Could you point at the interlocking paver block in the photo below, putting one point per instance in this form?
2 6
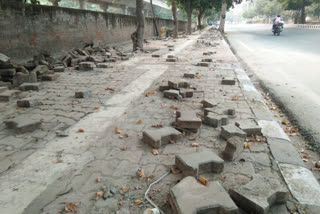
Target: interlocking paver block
172 94
191 197
29 87
215 120
49 77
164 87
187 120
87 66
228 81
233 148
26 103
207 60
249 126
24 123
156 55
171 59
176 85
203 64
104 65
189 75
186 93
220 111
194 164
162 136
259 194
82 94
59 69
8 95
231 131
209 103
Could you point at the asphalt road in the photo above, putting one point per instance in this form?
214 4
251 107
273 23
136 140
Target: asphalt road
288 65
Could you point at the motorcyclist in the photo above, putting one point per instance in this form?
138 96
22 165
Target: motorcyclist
277 21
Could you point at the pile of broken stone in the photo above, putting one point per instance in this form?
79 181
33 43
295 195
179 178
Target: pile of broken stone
191 194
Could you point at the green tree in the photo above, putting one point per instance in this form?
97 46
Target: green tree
298 5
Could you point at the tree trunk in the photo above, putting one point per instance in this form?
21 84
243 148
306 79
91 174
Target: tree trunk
199 20
175 20
137 36
154 19
303 14
223 16
189 13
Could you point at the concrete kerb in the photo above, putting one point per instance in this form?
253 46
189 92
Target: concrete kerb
294 172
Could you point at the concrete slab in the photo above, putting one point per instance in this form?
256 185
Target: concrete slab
272 129
194 164
284 152
302 184
191 197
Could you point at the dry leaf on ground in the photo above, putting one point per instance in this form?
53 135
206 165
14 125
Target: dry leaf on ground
98 179
117 130
96 108
195 144
138 201
125 148
140 173
285 122
175 171
247 145
157 126
155 152
203 180
235 98
125 189
193 138
98 195
172 142
80 130
70 207
139 121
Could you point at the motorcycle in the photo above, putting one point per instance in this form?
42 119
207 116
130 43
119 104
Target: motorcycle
277 28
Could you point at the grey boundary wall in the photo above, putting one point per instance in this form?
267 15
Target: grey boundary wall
27 30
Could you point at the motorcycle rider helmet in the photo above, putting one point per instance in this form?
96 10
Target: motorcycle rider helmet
279 16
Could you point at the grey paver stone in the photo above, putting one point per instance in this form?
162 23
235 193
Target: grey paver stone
24 123
284 152
188 120
259 195
59 69
162 136
8 72
156 55
207 60
171 59
191 197
228 81
172 94
186 93
8 95
49 77
104 65
86 66
30 87
249 126
189 75
194 164
233 148
82 94
203 64
2 89
164 87
207 103
231 131
215 120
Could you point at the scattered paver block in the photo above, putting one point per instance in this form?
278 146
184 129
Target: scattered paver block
156 55
203 64
189 75
59 69
104 65
231 131
228 81
188 120
125 58
173 84
3 89
82 94
220 111
215 120
10 72
164 87
87 66
183 84
209 103
172 94
170 46
186 93
49 77
249 126
259 195
233 148
110 60
171 59
302 184
26 103
177 85
24 123
162 136
207 60
171 49
197 163
7 95
191 197
284 152
29 87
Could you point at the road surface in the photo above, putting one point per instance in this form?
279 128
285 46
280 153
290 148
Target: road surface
288 65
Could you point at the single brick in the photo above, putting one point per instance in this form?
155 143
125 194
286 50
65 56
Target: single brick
191 197
207 103
59 69
187 120
189 75
108 60
164 87
49 77
233 148
156 55
228 81
24 103
260 194
104 65
172 94
203 64
29 87
162 136
82 94
249 126
7 95
87 66
186 93
215 120
171 59
231 131
24 123
197 163
207 60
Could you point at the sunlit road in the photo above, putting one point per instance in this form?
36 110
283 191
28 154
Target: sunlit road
288 64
